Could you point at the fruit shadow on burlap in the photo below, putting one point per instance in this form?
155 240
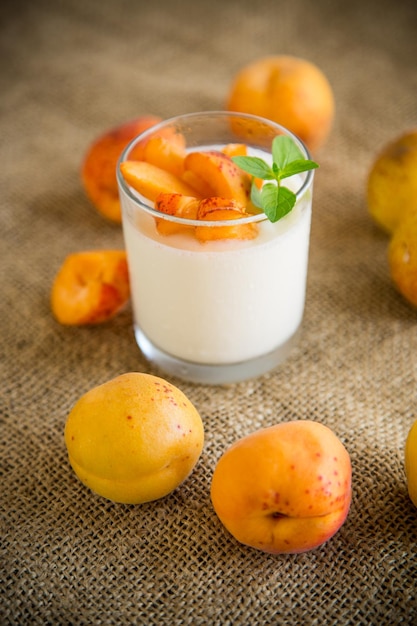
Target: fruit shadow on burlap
72 71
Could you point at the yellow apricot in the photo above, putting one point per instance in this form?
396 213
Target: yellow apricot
402 257
392 181
411 462
134 438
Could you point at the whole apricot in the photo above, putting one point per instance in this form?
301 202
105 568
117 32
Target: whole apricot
392 181
288 90
134 439
98 171
411 462
285 488
402 257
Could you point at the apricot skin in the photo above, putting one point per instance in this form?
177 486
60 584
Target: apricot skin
219 209
133 439
411 462
151 180
90 287
178 205
98 170
392 181
219 172
288 90
402 257
285 488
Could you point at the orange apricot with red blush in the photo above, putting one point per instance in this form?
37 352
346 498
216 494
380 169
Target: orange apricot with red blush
98 170
283 489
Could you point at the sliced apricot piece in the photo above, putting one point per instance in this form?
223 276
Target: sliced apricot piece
166 153
169 133
201 186
178 205
207 206
90 287
235 149
217 209
218 170
150 180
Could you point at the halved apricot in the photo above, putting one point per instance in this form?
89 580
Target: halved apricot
90 287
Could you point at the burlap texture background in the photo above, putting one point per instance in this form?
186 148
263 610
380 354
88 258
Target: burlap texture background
70 70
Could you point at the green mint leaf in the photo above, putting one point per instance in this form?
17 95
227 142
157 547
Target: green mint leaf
285 150
255 166
256 196
296 167
287 160
277 201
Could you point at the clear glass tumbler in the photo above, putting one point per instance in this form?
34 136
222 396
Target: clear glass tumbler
223 310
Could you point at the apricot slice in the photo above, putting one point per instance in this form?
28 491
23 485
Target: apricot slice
201 186
235 149
98 170
178 205
166 153
217 209
218 170
169 134
90 287
150 180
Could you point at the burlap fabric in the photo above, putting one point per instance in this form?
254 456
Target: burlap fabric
70 70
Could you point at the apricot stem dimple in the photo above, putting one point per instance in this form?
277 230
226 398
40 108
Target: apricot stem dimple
278 515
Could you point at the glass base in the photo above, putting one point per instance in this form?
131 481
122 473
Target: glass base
221 374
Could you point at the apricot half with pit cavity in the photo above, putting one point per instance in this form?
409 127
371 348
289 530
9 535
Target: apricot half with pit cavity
90 287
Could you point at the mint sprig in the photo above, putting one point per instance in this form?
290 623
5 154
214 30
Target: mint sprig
273 198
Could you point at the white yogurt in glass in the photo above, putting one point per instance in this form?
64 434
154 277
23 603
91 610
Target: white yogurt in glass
222 310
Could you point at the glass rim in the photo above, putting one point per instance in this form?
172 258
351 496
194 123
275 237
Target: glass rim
141 201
